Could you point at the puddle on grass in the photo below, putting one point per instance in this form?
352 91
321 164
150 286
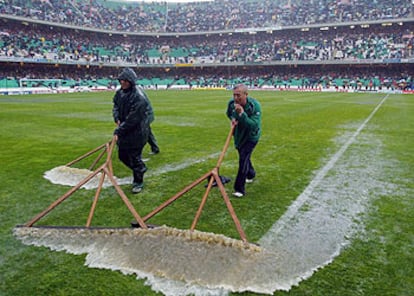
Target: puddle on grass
312 232
71 176
310 235
319 224
329 213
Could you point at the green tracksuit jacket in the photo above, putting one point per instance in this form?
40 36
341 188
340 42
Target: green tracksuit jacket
249 123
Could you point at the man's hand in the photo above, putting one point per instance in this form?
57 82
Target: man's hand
239 109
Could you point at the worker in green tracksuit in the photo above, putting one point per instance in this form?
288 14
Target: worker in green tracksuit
130 113
245 112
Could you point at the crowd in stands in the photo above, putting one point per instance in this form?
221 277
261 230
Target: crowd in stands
96 56
205 16
343 77
65 45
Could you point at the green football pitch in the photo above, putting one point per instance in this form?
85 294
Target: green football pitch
317 151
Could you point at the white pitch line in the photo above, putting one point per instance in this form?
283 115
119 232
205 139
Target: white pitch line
303 197
169 168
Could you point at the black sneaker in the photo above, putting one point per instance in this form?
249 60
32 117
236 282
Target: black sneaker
223 180
137 187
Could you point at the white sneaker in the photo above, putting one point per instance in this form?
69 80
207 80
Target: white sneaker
249 180
238 194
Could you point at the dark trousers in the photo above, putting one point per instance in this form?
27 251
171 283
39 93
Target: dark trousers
246 169
132 159
153 142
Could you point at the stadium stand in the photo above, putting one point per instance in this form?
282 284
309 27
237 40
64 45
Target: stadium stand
344 45
204 16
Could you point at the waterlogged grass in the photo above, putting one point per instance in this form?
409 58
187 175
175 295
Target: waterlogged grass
41 132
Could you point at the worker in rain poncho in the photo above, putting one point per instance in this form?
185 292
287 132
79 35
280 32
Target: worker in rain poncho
131 114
